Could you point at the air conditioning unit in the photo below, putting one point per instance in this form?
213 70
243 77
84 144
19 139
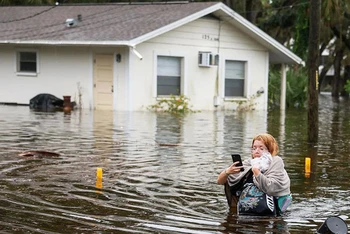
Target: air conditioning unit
204 59
207 59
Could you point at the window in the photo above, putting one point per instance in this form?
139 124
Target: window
27 62
168 75
234 78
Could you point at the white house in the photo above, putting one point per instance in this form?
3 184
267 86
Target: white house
128 56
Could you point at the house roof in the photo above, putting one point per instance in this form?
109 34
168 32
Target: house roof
120 24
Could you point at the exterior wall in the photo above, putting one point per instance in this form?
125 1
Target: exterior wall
235 46
122 81
201 84
60 71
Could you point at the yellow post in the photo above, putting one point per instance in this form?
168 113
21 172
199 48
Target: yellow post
307 167
99 178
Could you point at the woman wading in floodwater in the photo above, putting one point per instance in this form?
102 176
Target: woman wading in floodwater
263 174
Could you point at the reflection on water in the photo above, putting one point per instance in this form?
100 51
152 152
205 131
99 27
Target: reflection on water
159 171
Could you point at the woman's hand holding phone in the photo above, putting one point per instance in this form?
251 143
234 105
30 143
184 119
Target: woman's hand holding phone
234 169
237 161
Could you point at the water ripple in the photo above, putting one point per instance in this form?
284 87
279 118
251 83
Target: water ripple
159 171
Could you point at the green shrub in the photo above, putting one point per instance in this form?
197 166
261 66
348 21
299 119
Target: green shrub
296 88
173 104
347 86
248 104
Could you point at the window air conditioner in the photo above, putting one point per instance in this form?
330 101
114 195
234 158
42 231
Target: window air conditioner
207 59
204 59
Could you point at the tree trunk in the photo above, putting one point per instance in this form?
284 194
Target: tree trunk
341 36
323 75
312 62
337 68
229 3
326 63
249 11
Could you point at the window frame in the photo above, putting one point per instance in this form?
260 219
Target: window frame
245 69
183 67
18 61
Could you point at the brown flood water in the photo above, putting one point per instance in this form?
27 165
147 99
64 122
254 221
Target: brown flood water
168 187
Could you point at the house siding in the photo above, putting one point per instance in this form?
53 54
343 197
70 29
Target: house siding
200 83
61 70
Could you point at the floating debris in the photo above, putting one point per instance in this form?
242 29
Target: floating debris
38 153
166 144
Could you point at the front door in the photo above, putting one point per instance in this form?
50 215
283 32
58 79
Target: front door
103 81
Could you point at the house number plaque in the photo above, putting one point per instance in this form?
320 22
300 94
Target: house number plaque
209 38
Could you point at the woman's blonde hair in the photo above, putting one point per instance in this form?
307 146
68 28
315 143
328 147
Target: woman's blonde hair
269 141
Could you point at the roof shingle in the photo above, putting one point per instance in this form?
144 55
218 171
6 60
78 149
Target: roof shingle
107 22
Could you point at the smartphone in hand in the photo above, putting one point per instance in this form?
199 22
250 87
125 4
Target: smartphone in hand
237 157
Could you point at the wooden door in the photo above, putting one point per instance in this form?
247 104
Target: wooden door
103 81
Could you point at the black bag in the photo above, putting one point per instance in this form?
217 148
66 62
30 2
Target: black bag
254 202
233 192
238 188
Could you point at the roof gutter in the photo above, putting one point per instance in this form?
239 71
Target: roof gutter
75 43
68 43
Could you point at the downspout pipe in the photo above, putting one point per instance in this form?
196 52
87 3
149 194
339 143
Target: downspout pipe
136 52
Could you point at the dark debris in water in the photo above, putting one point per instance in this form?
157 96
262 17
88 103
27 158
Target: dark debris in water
166 144
39 154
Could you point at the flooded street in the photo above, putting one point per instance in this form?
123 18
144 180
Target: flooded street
160 171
